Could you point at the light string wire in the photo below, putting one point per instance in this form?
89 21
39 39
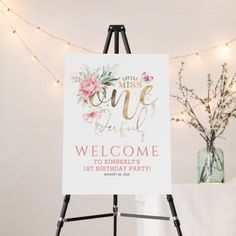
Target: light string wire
38 28
197 53
34 57
43 65
69 43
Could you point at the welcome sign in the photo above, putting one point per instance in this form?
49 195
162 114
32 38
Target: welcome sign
116 124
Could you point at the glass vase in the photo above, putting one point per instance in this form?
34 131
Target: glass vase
211 165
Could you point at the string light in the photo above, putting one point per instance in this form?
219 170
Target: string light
21 17
226 48
34 58
197 56
13 33
56 83
182 115
67 45
37 29
8 11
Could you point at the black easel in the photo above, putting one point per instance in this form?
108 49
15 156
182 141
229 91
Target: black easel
117 30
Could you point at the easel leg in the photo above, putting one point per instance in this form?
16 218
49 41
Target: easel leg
116 42
115 211
60 222
174 214
125 40
108 40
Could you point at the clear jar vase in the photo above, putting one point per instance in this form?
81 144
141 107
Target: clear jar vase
211 165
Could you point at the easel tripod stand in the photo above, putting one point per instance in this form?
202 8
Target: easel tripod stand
117 30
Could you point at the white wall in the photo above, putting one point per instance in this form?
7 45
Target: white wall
31 108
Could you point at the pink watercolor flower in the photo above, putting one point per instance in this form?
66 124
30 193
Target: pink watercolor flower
88 87
146 77
89 117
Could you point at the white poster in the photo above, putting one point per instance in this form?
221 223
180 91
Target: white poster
116 124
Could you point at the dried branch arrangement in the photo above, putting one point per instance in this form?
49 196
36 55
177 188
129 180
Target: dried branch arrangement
219 105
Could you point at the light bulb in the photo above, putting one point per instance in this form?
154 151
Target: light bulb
67 45
56 83
13 33
8 11
197 56
225 51
226 47
37 29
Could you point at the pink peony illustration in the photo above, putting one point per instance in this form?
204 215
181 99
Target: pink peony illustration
88 87
146 78
89 117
